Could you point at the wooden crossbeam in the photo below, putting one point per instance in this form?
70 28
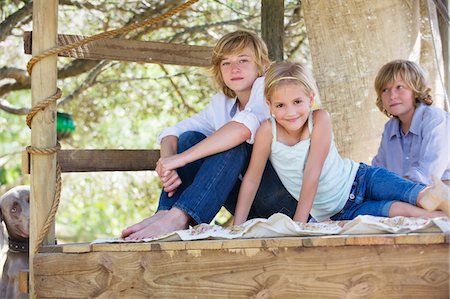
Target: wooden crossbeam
101 160
131 50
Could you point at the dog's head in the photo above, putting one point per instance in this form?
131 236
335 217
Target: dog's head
15 212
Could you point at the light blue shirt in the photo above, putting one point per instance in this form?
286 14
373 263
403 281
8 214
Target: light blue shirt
420 153
335 181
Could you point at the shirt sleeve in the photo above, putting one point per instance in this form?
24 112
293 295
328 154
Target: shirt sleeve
380 159
256 110
201 122
432 152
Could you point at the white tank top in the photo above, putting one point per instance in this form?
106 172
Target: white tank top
335 181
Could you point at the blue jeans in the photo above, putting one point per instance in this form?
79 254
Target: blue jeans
213 182
374 191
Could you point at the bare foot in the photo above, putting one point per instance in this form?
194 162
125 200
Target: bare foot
138 226
437 197
173 220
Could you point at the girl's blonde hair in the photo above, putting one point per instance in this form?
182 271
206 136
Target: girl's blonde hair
409 72
285 72
233 43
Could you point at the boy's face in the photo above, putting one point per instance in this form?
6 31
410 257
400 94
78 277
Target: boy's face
398 99
239 72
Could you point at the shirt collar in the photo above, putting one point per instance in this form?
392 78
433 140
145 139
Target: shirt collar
417 118
395 129
235 108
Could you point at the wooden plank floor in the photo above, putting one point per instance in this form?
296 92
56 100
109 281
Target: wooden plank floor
375 266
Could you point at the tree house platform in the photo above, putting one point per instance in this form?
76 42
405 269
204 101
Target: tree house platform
370 266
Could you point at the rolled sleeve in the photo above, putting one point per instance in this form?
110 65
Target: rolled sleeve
256 111
250 120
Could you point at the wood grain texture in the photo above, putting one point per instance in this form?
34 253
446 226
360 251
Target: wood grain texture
43 125
132 50
107 160
101 160
380 271
272 27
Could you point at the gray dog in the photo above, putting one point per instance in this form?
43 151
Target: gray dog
15 213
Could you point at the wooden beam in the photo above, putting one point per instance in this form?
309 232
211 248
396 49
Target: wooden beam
272 27
267 268
43 126
131 50
102 160
107 160
443 7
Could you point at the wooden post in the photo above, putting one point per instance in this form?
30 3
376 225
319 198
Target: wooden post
43 129
445 38
272 27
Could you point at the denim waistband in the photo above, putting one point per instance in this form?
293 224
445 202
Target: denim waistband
357 191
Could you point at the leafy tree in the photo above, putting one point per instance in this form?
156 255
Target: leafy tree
117 104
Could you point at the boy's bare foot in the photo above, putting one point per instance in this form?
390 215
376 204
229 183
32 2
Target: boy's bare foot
437 197
173 220
138 226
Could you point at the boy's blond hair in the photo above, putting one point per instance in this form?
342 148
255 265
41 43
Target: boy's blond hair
235 42
409 72
284 72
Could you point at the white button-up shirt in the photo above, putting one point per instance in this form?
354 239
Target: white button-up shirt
222 110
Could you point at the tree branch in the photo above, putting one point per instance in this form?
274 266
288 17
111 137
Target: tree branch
14 19
90 81
5 106
23 80
177 90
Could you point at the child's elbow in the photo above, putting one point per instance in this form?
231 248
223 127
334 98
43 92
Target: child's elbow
244 133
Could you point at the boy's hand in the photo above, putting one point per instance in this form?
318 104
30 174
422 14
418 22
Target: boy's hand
171 181
169 163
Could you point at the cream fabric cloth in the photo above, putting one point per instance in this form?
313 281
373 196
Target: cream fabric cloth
280 225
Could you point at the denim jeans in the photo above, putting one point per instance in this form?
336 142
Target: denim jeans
374 191
212 182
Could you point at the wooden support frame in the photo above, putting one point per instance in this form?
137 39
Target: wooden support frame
131 50
101 160
272 27
375 266
43 128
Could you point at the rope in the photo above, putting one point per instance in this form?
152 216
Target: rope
52 213
52 100
42 105
46 151
106 34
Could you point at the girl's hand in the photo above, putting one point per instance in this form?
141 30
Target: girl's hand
300 220
238 221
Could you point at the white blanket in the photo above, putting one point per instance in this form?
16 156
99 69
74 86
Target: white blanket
280 225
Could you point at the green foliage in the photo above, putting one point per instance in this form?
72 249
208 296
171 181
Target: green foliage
126 105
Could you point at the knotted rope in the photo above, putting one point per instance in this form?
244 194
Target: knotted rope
42 105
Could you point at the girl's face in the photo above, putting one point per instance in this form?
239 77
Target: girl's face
290 105
239 72
398 99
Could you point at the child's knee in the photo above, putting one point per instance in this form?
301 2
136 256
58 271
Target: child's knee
189 139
